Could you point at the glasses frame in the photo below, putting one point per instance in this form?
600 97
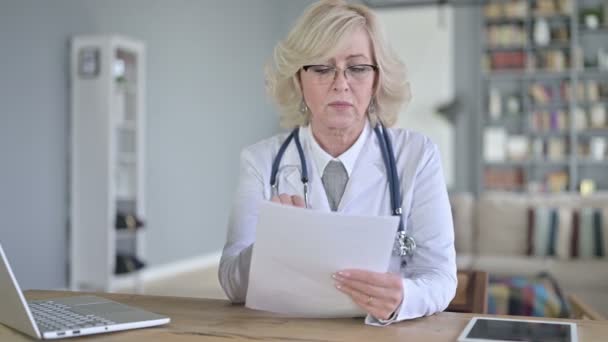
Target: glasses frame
336 69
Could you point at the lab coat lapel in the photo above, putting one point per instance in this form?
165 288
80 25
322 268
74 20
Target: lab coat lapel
289 170
317 197
293 179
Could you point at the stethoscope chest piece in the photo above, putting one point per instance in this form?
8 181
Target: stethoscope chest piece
404 245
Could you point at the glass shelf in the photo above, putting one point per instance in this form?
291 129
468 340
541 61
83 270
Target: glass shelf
600 30
505 21
592 162
519 74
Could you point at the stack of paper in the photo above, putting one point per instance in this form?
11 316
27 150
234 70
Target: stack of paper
297 250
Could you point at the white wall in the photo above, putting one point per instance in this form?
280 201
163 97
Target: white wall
206 101
423 38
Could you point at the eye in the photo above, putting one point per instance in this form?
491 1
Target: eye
359 69
321 69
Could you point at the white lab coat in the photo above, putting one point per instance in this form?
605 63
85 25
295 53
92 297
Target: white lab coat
429 278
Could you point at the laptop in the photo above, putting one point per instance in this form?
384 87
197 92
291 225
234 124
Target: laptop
66 317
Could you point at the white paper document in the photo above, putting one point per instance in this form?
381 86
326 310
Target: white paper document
297 250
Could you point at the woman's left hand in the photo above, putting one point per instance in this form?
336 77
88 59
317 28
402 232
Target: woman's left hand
379 294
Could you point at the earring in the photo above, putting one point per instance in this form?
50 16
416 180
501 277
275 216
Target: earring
303 107
371 109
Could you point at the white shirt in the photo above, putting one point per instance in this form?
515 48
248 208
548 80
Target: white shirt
348 158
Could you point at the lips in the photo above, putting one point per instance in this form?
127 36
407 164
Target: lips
340 104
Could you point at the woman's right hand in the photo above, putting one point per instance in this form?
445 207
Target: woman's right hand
293 200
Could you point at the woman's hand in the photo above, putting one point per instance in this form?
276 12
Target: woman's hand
295 200
379 294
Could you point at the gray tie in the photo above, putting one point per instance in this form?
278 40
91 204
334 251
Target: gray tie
334 181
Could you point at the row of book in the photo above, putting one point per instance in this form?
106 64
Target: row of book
514 180
515 35
589 90
594 117
552 60
519 9
499 146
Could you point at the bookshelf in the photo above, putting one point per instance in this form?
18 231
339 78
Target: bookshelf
107 188
544 95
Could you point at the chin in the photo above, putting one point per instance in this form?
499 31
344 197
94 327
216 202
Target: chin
343 120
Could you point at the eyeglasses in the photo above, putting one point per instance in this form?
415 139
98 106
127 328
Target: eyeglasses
325 74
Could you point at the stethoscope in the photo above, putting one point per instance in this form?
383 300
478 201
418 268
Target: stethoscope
404 245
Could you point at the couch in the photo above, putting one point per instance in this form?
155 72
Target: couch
491 234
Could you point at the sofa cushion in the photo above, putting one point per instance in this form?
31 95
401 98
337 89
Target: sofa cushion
511 265
464 261
502 218
463 212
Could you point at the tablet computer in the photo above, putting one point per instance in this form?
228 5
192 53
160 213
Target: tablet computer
486 329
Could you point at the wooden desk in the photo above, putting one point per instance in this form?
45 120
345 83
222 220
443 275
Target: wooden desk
196 319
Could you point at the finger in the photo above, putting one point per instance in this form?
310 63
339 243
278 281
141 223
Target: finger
298 201
285 199
384 279
371 305
370 290
275 199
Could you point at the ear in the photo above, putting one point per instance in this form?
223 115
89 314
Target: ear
297 82
376 84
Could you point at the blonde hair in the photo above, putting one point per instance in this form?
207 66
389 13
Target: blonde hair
315 36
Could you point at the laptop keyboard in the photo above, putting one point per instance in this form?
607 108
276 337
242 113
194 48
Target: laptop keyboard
51 316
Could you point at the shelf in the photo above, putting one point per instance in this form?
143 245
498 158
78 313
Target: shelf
528 48
593 162
126 234
127 158
505 21
549 163
518 74
599 30
529 162
552 17
552 46
548 134
593 132
123 198
507 163
592 103
548 106
129 88
591 73
127 125
498 48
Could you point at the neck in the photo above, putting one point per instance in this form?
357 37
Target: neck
336 141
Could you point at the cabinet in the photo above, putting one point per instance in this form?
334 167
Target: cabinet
544 95
107 180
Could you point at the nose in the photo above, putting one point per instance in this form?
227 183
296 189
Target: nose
340 81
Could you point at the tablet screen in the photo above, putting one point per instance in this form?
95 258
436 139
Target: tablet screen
513 330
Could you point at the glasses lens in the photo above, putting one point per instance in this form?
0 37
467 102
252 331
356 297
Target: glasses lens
323 73
359 72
